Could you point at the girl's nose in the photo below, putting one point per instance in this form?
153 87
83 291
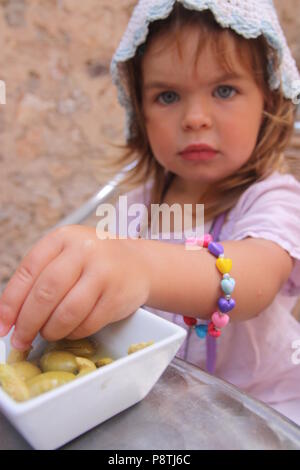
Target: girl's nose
196 117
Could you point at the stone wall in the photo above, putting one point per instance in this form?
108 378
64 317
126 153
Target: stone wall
61 110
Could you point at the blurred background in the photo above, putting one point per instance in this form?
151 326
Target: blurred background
61 110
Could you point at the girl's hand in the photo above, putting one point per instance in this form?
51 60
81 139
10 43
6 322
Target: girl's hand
71 284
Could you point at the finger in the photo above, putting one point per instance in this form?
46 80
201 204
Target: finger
57 279
25 276
74 308
100 316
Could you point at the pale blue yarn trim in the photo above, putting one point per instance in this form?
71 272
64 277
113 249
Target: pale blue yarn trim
287 73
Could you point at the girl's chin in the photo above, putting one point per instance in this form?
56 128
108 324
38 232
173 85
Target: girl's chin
195 178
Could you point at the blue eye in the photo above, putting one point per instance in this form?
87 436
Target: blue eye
167 97
224 88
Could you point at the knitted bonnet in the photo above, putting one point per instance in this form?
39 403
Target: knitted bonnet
249 18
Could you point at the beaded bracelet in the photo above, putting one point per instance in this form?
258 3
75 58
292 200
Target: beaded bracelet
219 319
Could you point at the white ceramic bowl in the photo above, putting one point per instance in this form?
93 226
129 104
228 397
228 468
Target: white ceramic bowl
56 417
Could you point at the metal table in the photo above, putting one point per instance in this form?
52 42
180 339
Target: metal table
186 409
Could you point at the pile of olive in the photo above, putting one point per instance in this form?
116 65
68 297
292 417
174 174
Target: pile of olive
60 363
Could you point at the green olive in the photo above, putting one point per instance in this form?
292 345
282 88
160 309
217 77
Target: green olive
51 347
80 347
35 361
59 361
104 361
25 370
12 384
138 346
48 381
85 366
17 356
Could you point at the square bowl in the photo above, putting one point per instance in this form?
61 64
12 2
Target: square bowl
58 416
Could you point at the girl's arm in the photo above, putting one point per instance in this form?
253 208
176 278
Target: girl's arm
188 282
71 284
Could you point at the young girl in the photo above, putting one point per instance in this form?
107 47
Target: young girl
210 89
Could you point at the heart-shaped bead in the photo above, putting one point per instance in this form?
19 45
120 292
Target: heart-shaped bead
228 285
190 321
191 241
205 241
201 331
226 305
212 331
215 249
220 321
224 265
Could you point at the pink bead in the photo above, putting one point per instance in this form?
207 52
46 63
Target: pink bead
200 241
220 321
206 240
191 241
212 331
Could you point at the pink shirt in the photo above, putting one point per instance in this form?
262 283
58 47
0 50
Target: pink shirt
257 355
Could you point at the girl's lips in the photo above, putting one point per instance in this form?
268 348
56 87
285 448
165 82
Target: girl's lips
201 155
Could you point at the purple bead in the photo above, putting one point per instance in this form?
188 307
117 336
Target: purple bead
215 249
226 305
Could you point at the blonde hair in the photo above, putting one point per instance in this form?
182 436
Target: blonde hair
273 137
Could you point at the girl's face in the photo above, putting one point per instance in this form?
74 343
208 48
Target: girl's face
198 105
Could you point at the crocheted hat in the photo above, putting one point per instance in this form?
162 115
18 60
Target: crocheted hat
249 18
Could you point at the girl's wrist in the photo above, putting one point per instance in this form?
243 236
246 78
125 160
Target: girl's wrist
147 259
142 258
169 272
